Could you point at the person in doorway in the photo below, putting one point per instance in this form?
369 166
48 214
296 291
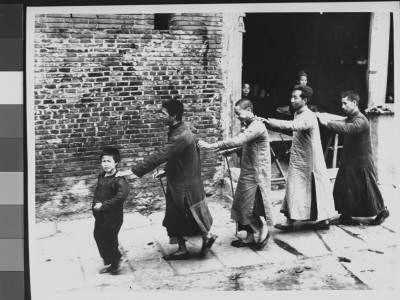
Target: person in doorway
107 207
251 208
187 213
308 202
246 90
246 95
356 192
302 78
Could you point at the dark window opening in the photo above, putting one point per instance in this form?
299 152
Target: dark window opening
161 21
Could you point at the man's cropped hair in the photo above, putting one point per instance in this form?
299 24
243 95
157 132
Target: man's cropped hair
244 103
352 96
306 91
174 108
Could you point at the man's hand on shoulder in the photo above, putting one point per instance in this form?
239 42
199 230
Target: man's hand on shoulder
322 119
204 145
159 173
125 173
97 206
266 121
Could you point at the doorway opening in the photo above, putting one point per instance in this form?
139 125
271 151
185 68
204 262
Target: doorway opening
332 48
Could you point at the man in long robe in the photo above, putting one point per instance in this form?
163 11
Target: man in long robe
251 207
308 194
187 213
356 192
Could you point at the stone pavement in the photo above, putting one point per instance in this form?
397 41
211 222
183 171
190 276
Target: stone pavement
64 257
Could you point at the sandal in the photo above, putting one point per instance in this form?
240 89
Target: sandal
380 218
286 227
343 220
207 244
173 256
240 243
263 243
113 268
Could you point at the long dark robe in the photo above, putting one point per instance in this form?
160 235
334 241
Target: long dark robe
356 192
186 213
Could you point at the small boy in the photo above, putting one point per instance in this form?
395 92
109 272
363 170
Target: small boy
107 208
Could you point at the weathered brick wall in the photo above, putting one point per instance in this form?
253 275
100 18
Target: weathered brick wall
99 81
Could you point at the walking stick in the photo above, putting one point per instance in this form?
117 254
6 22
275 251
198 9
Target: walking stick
230 176
162 185
233 193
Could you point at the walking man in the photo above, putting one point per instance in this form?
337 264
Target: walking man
251 207
308 196
186 212
356 191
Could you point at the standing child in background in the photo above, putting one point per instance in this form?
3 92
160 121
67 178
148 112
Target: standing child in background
246 90
302 78
107 208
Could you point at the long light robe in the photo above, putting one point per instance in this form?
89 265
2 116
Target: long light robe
308 192
255 172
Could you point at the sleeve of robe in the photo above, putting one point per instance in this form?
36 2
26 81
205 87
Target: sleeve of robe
172 148
356 126
245 136
298 124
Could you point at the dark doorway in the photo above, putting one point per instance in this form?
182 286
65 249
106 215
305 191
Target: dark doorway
332 48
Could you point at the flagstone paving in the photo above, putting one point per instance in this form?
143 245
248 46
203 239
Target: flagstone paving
64 257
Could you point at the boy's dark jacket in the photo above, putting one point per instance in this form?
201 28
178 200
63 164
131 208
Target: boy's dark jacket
111 191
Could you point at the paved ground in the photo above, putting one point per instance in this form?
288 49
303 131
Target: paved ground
65 258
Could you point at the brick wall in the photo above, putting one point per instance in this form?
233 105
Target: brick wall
99 80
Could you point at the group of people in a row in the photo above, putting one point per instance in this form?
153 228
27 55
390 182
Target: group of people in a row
308 201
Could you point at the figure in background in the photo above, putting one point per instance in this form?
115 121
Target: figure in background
186 212
308 199
302 78
107 208
356 192
246 90
251 207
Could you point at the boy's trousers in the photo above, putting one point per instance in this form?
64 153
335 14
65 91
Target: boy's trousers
106 228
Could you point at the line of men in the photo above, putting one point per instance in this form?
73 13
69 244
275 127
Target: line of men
308 202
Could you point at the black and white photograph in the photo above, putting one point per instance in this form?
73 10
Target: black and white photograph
213 148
